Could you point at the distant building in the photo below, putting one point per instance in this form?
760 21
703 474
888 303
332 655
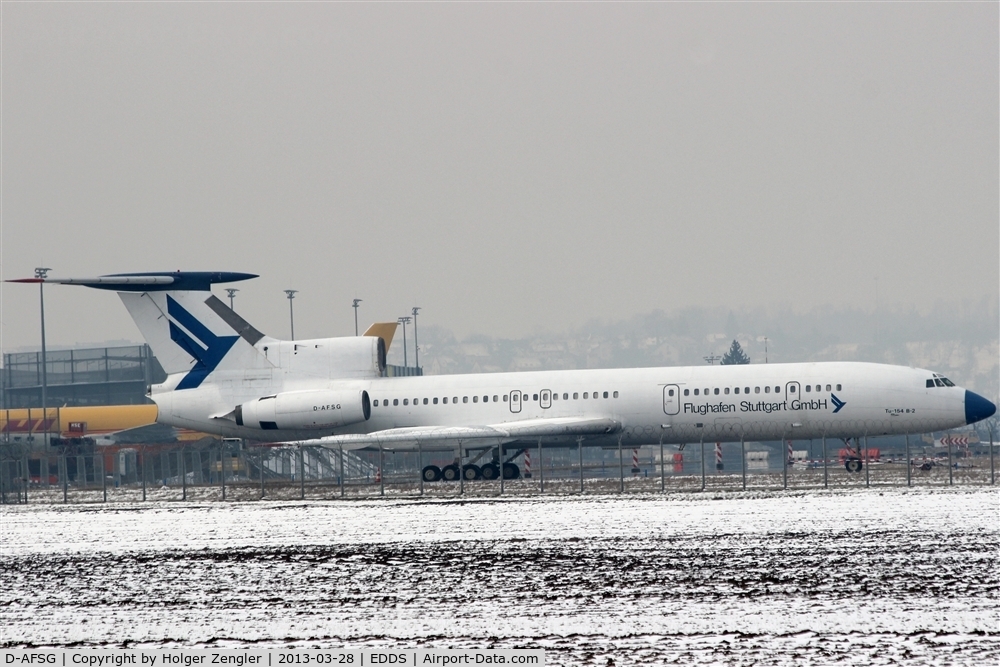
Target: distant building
95 376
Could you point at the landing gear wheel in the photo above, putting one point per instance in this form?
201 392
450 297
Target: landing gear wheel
431 473
471 472
490 471
449 473
853 465
511 471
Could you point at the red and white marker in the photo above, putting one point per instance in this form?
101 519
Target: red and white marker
718 456
527 464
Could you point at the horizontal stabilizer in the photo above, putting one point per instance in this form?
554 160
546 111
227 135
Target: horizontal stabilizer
198 281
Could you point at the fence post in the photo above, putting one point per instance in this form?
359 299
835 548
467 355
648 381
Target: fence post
222 467
541 467
183 467
909 467
341 471
260 468
104 480
302 474
703 461
826 465
950 464
743 458
993 476
142 452
65 476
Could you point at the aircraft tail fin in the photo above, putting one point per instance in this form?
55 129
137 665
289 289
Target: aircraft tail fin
383 330
190 330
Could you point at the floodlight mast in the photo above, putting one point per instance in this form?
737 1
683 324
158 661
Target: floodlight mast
403 321
231 291
290 293
416 345
355 307
41 273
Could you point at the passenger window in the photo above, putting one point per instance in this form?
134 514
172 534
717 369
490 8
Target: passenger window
756 390
838 388
475 399
605 394
445 400
716 391
454 399
777 390
808 388
687 392
495 399
746 390
736 390
767 390
585 394
435 401
406 401
791 389
565 397
670 393
828 387
534 397
505 398
425 401
465 399
555 396
726 391
575 395
616 394
395 401
695 392
375 403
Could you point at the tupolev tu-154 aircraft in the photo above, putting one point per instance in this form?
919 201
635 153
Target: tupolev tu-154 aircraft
227 378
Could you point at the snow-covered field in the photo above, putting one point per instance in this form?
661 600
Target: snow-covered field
880 576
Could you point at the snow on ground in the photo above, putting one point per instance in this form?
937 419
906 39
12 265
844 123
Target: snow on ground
886 576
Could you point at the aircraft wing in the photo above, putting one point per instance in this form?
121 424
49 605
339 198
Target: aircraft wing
491 434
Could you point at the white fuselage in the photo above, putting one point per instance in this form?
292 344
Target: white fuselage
677 405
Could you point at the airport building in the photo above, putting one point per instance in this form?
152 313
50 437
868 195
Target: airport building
77 378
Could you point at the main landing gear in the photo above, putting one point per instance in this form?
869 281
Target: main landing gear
471 471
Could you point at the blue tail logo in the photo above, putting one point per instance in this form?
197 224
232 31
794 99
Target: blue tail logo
208 350
837 403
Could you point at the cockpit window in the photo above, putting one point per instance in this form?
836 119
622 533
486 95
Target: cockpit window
930 384
947 382
938 382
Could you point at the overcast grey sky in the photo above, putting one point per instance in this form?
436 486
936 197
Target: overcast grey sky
508 167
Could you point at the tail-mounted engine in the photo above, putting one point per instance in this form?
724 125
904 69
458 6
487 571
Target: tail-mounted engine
312 409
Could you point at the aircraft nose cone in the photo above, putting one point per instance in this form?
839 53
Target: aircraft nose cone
977 408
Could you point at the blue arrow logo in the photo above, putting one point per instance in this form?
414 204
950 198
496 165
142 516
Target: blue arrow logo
209 352
837 403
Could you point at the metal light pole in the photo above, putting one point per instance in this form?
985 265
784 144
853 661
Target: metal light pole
41 273
711 359
231 291
416 346
291 314
355 307
403 321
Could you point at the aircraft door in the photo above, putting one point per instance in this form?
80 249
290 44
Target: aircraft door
793 392
545 398
515 400
671 399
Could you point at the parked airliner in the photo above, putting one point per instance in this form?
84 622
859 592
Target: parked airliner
227 378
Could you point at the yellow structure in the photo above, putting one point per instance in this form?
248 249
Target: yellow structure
78 422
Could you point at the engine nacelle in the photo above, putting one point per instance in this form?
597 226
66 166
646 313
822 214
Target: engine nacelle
310 409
